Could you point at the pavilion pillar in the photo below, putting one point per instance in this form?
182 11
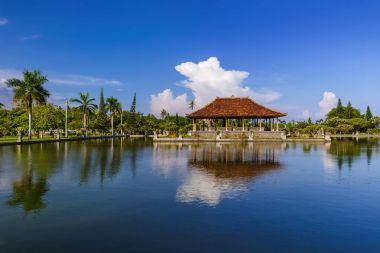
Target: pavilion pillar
260 124
243 124
277 124
194 125
226 123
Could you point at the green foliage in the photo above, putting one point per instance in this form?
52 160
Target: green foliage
368 114
48 117
342 112
344 128
133 105
102 104
29 91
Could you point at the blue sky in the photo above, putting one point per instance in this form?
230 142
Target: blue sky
294 51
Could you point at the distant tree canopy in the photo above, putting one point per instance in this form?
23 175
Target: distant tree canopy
344 112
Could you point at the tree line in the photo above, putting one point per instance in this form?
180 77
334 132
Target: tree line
339 120
34 115
82 116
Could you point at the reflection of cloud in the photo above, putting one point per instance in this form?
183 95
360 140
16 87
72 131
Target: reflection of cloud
215 171
166 158
206 188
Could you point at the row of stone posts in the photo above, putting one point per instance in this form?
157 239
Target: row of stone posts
274 126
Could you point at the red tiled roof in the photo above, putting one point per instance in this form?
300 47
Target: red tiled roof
235 107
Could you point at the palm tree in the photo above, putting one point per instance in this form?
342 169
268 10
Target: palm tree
164 113
1 105
86 105
113 106
29 91
192 105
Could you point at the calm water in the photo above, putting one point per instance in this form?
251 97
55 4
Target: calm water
136 196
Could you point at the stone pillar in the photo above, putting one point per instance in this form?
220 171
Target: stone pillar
260 124
19 135
243 124
226 121
194 126
277 124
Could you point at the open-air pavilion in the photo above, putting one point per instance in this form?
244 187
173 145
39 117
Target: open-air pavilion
241 109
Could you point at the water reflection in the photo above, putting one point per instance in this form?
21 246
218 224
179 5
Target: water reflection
207 173
32 166
218 171
28 191
348 150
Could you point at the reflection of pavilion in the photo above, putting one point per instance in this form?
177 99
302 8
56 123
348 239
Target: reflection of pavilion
220 171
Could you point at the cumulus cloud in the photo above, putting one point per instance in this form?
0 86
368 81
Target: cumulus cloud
328 102
3 21
166 100
207 79
305 114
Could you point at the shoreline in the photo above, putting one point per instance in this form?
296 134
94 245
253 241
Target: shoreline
37 141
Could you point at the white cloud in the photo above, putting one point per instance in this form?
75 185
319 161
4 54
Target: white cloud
54 79
207 79
81 80
328 102
166 100
66 79
305 114
3 21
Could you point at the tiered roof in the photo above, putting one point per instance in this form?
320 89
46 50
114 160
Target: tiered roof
235 107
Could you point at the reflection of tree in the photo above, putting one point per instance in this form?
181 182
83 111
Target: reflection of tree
86 163
28 193
37 165
347 150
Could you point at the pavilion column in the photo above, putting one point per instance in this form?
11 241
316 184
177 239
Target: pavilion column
272 125
226 121
243 124
260 124
277 124
194 125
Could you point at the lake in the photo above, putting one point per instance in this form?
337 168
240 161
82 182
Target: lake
138 196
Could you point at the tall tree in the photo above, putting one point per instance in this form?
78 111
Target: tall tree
368 114
113 107
164 113
133 105
349 110
339 108
28 91
192 105
1 105
86 105
102 104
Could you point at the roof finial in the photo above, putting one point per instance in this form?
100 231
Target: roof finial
232 96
